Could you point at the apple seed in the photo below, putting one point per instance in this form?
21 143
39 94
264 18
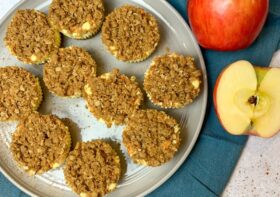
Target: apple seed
253 100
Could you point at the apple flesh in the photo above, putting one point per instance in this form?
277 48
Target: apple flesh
227 25
247 99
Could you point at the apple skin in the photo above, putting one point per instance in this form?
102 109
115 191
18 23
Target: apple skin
227 25
215 96
259 69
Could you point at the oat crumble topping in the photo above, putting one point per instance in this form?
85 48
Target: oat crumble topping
151 137
40 143
172 81
30 38
112 97
67 71
92 168
20 93
130 33
78 19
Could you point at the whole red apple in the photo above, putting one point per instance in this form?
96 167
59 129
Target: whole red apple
227 25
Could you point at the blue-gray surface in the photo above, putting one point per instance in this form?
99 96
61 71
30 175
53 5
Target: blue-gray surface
208 168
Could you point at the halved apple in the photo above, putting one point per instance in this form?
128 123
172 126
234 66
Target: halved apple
247 99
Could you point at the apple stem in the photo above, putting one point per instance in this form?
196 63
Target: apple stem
253 100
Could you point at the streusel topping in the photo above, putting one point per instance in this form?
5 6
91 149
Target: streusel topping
67 71
92 169
113 96
172 81
20 93
130 33
79 19
151 137
30 37
40 143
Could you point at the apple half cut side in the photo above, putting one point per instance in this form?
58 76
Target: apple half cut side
247 99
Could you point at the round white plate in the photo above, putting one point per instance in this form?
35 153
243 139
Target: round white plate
136 180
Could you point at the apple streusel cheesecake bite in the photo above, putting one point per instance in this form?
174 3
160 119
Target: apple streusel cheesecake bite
172 81
67 71
92 169
40 143
130 33
20 93
79 19
30 38
112 96
151 137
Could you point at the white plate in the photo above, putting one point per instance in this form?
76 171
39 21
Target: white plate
137 180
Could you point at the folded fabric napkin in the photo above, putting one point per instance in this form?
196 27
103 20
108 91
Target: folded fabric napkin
210 164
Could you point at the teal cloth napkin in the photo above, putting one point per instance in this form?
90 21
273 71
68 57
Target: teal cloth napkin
210 164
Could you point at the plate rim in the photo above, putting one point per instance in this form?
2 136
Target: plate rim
200 124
